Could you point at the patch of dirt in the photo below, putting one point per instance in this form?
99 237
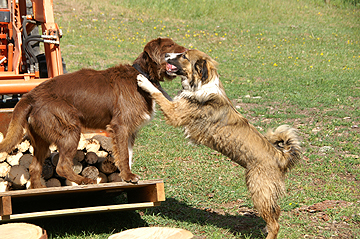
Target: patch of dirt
322 222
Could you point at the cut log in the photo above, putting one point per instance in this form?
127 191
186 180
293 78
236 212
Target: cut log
92 145
18 175
53 148
90 172
102 178
54 157
77 166
79 156
114 177
153 233
26 160
107 165
31 150
69 183
91 158
105 142
102 154
1 137
23 146
13 159
4 185
4 169
48 169
3 156
21 231
42 181
82 142
53 182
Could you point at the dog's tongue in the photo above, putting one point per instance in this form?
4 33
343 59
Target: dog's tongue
170 67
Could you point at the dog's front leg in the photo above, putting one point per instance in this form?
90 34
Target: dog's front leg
166 106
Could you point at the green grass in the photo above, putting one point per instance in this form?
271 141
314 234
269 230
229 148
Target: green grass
281 62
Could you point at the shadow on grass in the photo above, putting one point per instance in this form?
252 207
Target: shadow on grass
86 225
245 225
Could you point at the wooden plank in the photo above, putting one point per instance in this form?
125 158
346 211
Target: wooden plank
79 188
5 206
151 193
75 211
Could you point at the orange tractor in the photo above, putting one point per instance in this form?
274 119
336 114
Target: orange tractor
22 67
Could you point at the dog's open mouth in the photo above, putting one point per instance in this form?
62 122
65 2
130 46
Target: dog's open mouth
171 68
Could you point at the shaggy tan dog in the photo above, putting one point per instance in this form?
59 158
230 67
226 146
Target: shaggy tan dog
209 118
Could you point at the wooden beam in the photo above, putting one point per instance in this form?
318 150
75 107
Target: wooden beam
5 206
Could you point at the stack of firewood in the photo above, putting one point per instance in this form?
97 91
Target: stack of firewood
93 160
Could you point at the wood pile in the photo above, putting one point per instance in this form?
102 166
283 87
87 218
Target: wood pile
93 160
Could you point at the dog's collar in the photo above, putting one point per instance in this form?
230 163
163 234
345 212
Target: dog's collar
138 68
155 82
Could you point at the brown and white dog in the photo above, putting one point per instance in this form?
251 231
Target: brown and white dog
56 110
209 118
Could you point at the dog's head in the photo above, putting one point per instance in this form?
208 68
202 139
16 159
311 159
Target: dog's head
194 67
152 60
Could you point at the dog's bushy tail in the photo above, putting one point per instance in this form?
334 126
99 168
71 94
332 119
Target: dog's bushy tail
286 140
16 127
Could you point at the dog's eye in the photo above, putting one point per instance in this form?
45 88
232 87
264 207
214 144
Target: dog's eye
183 56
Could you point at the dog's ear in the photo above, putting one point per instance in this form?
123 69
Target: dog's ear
202 69
153 50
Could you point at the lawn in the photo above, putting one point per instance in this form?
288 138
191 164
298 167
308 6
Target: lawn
281 62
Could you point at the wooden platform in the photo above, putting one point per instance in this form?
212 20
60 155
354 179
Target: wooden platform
36 203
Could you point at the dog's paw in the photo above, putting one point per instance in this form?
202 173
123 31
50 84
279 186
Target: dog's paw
130 177
86 180
145 84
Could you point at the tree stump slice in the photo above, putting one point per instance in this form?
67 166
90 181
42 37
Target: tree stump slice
21 231
154 233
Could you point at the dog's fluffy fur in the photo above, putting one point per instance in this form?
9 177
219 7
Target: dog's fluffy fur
56 110
209 118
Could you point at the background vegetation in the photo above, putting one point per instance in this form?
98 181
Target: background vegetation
281 62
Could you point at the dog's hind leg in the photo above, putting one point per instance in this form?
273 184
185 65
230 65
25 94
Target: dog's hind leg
67 147
122 142
264 190
130 148
41 151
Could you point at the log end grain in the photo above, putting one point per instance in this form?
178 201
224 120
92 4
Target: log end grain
21 231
